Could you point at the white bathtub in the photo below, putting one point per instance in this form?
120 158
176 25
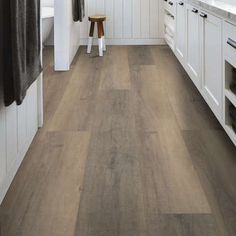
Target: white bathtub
48 21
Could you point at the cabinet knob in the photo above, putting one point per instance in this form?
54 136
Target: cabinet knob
171 3
203 15
195 10
165 0
181 3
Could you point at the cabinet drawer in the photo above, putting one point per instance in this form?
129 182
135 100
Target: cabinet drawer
169 5
230 42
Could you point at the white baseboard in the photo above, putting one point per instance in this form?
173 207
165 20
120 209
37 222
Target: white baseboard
158 41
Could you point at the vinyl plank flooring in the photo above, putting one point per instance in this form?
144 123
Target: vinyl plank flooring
129 147
76 106
49 199
112 182
115 69
140 55
216 168
151 111
177 81
115 204
185 225
172 175
188 115
48 57
190 109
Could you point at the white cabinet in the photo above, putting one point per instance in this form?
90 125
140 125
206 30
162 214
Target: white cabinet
199 47
212 58
180 31
204 55
193 45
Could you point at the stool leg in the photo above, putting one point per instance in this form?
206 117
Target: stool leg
104 48
90 42
103 38
100 43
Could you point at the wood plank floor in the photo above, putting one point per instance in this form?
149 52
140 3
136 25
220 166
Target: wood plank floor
129 148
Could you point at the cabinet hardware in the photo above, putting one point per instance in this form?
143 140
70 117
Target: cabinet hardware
165 0
203 15
195 10
171 3
232 43
181 3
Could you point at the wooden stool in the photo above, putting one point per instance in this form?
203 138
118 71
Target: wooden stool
99 19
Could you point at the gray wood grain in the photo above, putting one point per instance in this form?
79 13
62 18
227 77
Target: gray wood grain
129 148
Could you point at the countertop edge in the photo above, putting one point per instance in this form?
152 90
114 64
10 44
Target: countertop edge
222 11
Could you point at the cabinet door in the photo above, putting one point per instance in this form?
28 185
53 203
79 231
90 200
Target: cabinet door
212 66
193 45
180 31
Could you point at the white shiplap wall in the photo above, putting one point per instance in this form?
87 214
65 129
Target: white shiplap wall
128 21
18 125
66 35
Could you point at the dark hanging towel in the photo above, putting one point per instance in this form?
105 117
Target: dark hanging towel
6 53
21 39
78 10
1 51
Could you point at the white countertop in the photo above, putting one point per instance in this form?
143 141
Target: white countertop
221 8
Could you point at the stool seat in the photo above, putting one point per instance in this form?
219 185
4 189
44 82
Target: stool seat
97 18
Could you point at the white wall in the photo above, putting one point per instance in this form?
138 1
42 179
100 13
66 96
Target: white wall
47 3
66 35
128 21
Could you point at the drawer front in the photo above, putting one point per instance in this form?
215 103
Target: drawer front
169 5
230 42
